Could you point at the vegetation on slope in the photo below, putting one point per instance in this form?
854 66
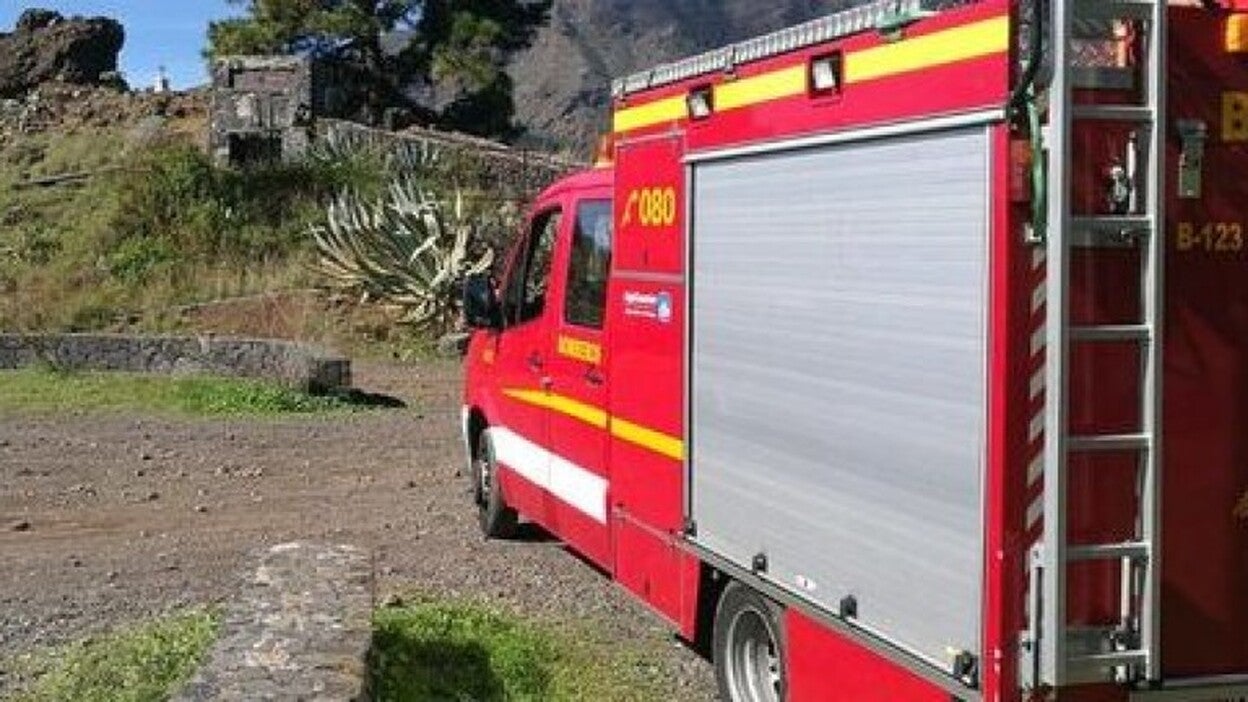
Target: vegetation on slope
156 227
123 224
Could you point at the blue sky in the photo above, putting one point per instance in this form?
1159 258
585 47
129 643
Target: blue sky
169 33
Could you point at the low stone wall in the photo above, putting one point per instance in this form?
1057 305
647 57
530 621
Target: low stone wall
300 629
507 173
296 365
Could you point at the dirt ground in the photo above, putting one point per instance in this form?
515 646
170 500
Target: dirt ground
106 519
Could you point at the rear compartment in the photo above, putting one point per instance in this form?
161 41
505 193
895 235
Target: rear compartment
927 343
867 351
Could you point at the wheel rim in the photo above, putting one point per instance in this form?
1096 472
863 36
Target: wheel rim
753 659
485 472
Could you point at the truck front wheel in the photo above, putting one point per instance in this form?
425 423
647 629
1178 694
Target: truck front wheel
748 647
497 520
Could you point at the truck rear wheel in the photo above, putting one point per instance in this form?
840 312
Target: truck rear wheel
497 520
748 647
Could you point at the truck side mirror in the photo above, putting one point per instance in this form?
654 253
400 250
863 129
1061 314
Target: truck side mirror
481 307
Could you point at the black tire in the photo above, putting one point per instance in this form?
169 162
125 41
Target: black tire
497 520
748 647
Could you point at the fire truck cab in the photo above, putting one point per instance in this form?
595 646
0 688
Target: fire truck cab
902 355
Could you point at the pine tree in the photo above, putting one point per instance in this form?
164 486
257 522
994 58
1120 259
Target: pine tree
385 50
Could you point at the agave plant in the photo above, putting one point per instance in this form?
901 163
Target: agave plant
342 141
411 250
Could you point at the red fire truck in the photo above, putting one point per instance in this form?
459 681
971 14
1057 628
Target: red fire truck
902 355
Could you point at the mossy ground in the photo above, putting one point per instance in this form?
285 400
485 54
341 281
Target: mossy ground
460 650
53 391
145 663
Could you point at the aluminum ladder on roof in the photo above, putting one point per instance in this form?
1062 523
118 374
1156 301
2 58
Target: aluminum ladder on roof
1061 655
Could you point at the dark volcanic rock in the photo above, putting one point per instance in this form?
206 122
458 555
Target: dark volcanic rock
34 19
46 46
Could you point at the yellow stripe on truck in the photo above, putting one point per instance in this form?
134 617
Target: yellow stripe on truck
656 441
975 40
589 414
670 109
646 438
971 41
765 87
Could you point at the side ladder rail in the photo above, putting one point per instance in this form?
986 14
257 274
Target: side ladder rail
1137 657
1153 302
1059 152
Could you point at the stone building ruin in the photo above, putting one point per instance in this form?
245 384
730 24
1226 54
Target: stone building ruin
263 108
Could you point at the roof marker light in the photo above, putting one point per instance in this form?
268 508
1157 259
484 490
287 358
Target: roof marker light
825 74
700 102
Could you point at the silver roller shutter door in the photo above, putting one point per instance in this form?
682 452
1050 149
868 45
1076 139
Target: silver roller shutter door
838 376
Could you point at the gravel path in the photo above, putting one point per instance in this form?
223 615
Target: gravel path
105 519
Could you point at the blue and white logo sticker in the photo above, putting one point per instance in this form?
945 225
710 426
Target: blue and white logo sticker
663 307
645 305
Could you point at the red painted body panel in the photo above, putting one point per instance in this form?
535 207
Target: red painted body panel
648 365
583 381
1205 605
648 164
649 564
1205 611
648 372
825 666
1007 422
512 354
523 495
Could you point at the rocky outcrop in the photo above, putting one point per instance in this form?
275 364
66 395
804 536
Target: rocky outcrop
60 107
46 46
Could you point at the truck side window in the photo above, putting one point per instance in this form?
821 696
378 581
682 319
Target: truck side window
586 295
526 290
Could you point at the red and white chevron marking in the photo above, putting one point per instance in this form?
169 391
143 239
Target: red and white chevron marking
1036 394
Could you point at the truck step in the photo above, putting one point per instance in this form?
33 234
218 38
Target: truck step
1114 113
1116 224
1135 550
1113 332
1109 231
1090 668
1110 442
1115 9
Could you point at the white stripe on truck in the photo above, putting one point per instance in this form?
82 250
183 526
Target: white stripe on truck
582 489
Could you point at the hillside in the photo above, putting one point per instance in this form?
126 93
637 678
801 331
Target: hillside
563 81
113 218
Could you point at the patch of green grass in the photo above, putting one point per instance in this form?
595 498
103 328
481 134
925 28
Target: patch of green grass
147 662
225 397
44 390
436 650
